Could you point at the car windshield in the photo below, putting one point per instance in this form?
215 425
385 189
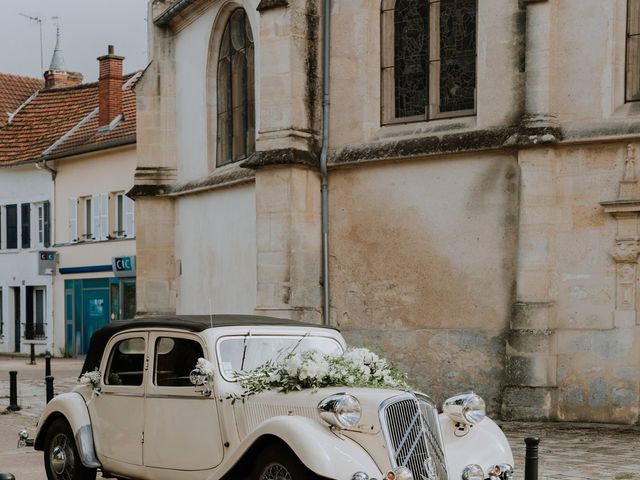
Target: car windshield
245 353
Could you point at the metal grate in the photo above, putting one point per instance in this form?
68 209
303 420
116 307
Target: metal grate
413 435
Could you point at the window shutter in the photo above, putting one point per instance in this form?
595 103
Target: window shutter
129 217
46 208
96 233
104 217
12 226
25 222
73 219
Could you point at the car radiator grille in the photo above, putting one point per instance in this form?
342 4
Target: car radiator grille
412 431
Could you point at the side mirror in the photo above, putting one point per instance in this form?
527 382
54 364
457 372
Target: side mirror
199 380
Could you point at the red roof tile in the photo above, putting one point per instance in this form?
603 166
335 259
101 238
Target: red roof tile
14 91
62 122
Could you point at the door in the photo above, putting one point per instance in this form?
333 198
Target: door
95 314
181 427
117 415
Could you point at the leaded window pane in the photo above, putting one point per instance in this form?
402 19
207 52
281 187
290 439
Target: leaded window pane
457 55
236 79
633 51
411 40
428 58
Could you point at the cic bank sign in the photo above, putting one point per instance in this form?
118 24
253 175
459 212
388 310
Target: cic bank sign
124 266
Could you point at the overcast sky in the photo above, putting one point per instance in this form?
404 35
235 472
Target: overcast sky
86 26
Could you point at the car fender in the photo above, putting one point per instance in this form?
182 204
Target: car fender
484 444
72 407
324 452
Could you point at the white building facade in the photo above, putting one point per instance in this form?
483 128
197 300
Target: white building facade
26 299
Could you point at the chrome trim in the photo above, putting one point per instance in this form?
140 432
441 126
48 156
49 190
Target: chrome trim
86 449
432 440
122 394
190 397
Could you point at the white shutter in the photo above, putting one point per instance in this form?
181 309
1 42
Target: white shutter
129 217
95 217
73 219
104 216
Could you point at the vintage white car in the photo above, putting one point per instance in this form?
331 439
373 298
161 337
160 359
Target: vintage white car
147 420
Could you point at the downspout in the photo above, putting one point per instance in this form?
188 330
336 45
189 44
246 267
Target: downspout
324 173
43 166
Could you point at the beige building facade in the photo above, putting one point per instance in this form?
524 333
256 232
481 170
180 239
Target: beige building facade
483 198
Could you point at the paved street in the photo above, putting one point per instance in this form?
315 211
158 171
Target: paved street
568 451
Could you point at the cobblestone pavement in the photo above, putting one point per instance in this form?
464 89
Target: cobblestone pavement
567 451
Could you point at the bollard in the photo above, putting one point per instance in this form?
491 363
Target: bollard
13 392
49 381
47 365
7 476
33 355
531 458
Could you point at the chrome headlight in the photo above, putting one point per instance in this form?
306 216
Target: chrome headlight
340 410
467 408
400 473
504 471
473 472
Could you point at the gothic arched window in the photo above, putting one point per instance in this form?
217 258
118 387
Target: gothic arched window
235 86
428 59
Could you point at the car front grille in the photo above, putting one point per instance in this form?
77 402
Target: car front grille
412 431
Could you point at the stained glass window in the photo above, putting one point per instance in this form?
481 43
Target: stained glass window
428 58
236 103
633 51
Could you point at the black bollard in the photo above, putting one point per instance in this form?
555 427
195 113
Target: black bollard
33 355
49 382
47 365
531 458
13 392
7 476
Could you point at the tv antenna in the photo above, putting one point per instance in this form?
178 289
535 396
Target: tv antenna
39 21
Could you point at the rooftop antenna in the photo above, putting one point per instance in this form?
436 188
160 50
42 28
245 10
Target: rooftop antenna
39 20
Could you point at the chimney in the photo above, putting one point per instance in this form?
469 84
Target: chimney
109 87
74 79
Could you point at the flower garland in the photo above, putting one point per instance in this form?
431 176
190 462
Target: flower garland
95 380
357 367
202 376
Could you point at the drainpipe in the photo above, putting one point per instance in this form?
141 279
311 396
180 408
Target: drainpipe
43 166
324 173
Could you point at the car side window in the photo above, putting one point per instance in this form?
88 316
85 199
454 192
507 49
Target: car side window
174 360
126 365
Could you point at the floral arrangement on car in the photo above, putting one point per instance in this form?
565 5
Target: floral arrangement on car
94 379
202 376
357 367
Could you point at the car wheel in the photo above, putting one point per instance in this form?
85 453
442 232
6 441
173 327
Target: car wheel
279 463
61 458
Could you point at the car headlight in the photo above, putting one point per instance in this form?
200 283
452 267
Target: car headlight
340 410
473 472
400 473
467 408
504 471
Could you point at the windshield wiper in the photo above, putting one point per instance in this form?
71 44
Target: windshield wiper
244 351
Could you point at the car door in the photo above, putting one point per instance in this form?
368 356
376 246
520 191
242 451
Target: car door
181 427
117 414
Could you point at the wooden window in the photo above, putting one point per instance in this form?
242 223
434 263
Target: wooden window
633 51
25 223
11 214
235 84
428 59
73 220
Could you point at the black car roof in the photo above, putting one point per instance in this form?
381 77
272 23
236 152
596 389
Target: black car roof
191 323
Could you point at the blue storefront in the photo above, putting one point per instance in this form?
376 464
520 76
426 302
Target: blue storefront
91 303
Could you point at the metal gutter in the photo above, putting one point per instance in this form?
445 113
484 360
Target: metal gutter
324 157
173 11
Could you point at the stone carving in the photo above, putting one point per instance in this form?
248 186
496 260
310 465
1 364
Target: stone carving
626 272
630 165
626 251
